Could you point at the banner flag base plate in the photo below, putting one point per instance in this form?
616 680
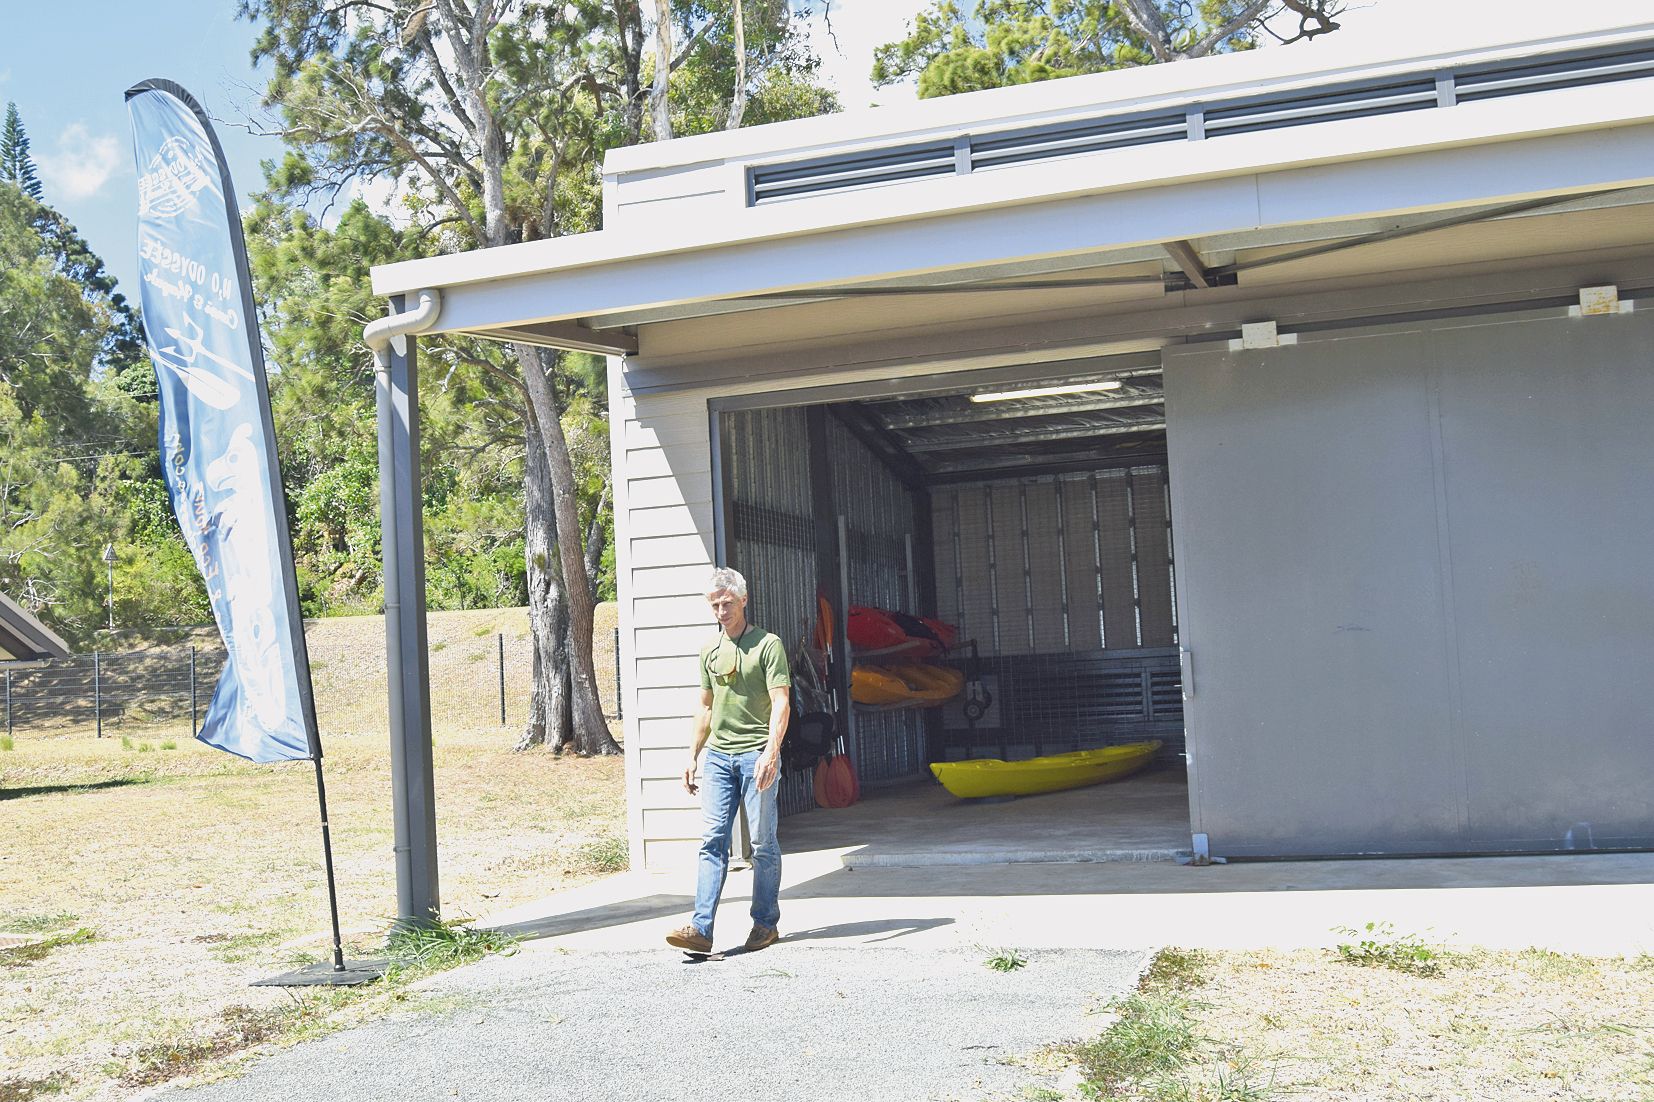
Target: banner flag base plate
323 974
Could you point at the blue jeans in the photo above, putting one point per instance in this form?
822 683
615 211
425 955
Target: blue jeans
727 782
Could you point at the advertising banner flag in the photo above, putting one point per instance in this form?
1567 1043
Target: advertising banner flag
218 447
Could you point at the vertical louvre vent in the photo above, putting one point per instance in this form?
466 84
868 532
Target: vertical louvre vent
1415 92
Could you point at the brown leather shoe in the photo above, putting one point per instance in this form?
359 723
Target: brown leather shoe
761 938
690 940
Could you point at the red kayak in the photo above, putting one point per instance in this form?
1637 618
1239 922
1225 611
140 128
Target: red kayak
880 631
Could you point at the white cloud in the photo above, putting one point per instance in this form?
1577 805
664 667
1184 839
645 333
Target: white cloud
81 163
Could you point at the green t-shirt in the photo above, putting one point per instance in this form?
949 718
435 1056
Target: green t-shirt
741 700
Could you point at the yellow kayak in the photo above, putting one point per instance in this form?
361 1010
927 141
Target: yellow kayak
1053 773
911 684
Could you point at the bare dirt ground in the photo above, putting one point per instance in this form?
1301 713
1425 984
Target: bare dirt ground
196 872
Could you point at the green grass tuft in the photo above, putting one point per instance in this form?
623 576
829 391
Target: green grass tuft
28 954
7 742
1380 946
606 854
1148 1049
169 744
37 923
446 944
1007 960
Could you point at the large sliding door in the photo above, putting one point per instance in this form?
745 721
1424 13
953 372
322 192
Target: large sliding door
1414 587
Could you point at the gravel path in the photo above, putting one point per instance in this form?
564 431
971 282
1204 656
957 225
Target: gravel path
793 1022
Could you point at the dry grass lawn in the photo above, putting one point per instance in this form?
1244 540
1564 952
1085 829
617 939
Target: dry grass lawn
196 872
1309 1026
1506 1026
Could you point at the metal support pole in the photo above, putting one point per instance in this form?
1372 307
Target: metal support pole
413 787
327 858
501 637
195 723
97 691
8 704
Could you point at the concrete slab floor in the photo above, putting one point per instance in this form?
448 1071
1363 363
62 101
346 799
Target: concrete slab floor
1141 818
1586 903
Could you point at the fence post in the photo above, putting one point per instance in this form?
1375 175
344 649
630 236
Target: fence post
97 691
194 730
8 703
501 637
618 714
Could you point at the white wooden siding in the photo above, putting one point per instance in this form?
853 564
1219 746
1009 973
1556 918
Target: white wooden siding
664 461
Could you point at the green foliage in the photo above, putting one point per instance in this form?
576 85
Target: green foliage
37 923
16 165
433 946
23 955
1007 960
1152 1038
606 854
952 48
1381 946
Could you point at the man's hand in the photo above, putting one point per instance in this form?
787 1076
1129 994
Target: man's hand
768 766
689 784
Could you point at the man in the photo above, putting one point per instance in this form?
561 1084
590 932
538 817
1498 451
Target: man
745 702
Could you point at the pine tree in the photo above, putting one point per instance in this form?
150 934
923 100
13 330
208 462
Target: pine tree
16 165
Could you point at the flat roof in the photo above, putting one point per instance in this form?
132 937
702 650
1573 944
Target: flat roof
698 234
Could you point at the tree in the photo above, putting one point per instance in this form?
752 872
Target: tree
1005 42
494 116
16 166
79 466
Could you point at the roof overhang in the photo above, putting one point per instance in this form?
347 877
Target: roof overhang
24 638
1169 210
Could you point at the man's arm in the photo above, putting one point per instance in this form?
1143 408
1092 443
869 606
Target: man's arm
703 727
781 710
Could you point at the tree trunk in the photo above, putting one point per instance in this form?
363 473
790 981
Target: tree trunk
550 719
738 102
590 730
662 115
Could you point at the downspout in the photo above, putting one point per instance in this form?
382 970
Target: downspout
379 334
413 797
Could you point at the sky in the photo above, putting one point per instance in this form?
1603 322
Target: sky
66 63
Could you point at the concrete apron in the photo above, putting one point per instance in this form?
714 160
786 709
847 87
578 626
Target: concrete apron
1143 818
859 877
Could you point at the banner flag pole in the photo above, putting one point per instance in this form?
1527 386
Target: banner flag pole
218 453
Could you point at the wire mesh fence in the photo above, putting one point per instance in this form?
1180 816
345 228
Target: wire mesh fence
478 678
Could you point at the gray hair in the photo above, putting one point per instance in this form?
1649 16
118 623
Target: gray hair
725 578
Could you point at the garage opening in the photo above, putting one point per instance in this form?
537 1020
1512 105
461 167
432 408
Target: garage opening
1027 511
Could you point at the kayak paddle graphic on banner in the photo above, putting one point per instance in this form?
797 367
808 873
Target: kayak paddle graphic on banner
217 441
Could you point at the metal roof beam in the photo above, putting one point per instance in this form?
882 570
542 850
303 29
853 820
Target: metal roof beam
567 335
1010 411
1147 424
1188 262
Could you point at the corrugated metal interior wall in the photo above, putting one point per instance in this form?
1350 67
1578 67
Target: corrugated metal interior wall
774 516
773 535
1065 583
878 514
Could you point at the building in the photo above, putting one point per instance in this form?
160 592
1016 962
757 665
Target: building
23 638
1360 523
